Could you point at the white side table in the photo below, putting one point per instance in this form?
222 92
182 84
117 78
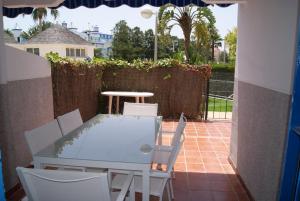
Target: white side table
137 95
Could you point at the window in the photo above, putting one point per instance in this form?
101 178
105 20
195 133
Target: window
71 52
35 51
82 52
68 52
77 52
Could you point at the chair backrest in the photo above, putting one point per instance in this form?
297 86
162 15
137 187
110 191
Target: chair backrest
141 109
69 121
174 153
43 136
50 185
179 130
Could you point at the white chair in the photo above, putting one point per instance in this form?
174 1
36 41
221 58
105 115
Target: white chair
50 185
41 137
140 109
69 121
158 179
162 152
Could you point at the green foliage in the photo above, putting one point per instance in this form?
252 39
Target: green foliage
8 32
39 14
231 40
168 76
33 31
131 44
121 44
138 64
191 18
224 67
98 53
219 105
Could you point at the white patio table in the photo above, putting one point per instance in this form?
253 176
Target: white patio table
137 96
107 141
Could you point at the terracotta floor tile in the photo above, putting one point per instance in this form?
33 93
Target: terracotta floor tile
192 153
193 159
221 186
180 167
214 168
210 160
201 196
224 196
208 154
194 167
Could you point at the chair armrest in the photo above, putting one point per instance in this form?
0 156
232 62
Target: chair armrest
159 174
163 132
125 187
163 148
117 171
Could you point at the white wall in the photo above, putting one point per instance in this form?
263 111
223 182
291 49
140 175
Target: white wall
267 36
16 60
59 48
267 39
2 57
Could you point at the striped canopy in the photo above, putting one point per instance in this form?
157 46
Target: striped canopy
13 12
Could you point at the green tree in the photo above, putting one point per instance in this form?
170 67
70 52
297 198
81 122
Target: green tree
137 39
231 40
98 53
149 44
8 32
33 31
187 18
121 44
39 14
215 40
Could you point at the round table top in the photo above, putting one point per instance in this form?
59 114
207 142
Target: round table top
127 93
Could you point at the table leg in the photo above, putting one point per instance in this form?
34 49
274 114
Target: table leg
118 102
146 185
109 104
143 99
137 99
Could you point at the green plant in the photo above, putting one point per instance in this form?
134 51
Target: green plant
227 67
167 76
138 64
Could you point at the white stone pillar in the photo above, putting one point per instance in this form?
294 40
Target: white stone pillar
3 72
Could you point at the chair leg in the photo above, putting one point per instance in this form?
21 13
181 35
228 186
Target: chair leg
132 191
169 193
173 173
171 188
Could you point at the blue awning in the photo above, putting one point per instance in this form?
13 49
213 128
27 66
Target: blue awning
13 12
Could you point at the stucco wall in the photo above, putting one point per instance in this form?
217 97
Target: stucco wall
59 48
26 102
264 77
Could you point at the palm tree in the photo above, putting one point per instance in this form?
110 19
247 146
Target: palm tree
33 31
39 14
187 18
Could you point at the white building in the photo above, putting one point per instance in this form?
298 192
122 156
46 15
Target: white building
60 40
100 40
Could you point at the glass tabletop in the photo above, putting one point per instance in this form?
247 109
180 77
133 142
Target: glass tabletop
112 138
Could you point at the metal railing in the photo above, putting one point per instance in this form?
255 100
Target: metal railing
219 107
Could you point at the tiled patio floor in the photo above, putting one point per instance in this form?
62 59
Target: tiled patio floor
203 172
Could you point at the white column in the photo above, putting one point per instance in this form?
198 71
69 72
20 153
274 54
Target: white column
3 75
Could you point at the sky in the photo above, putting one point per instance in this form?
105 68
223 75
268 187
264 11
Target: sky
105 17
